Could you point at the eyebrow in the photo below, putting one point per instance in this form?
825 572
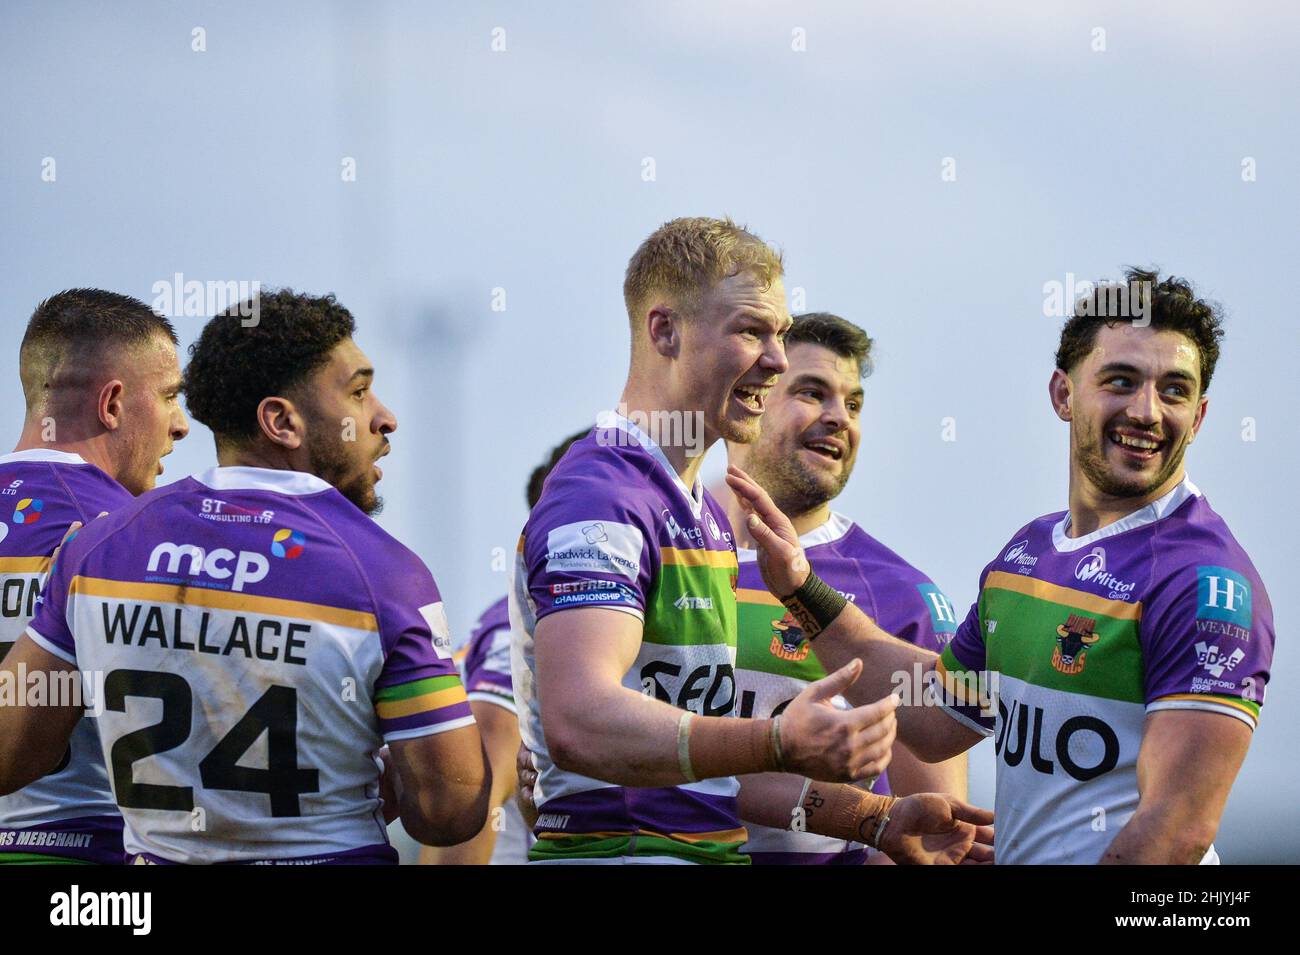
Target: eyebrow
747 314
1116 366
362 373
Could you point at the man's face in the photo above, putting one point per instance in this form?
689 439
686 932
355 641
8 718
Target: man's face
347 426
811 429
152 418
1134 404
732 352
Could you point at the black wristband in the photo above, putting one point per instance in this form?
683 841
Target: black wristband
815 605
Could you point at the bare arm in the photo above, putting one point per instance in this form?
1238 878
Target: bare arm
596 726
34 738
1186 767
444 785
500 730
887 661
908 774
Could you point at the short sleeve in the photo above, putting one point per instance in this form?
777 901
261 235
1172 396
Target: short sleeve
586 547
49 628
419 691
487 668
1207 639
961 684
932 622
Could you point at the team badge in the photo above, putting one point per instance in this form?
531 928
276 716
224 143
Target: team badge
28 510
788 641
288 543
1073 638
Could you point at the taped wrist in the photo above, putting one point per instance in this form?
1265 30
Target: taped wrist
846 812
815 605
729 747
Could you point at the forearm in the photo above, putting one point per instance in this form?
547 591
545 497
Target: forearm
630 739
1160 838
788 801
449 805
909 774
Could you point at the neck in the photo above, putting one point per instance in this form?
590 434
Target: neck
639 404
92 449
1092 509
803 522
255 456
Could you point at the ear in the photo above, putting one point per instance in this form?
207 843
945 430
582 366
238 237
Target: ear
663 326
1060 390
280 421
109 405
1201 410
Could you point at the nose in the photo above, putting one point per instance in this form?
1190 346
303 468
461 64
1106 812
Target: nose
773 359
835 414
384 422
180 425
1144 404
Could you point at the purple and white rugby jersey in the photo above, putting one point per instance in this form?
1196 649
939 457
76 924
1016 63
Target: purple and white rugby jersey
70 812
774 661
259 639
1086 636
616 528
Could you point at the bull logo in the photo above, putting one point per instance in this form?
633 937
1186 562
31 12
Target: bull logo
1073 638
788 641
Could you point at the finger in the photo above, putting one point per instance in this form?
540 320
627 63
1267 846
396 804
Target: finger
769 540
836 683
968 813
873 758
879 713
984 835
759 501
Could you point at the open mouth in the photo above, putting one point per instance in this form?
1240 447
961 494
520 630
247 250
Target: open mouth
750 398
1140 447
826 449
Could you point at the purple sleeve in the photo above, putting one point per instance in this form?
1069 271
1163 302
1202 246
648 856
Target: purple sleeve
961 682
487 667
584 546
419 691
49 628
1207 640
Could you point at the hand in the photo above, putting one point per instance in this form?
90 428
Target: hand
390 786
937 829
781 560
821 741
527 774
70 533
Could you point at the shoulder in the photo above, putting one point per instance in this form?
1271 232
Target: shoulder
1194 548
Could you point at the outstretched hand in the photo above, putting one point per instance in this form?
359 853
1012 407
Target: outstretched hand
781 560
937 829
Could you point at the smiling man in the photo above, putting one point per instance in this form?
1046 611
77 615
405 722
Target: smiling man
1130 635
624 607
260 638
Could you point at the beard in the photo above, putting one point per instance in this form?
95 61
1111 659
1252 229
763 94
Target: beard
794 488
1112 481
329 460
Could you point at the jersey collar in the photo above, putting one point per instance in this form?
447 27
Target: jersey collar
262 479
1157 510
694 496
835 527
42 454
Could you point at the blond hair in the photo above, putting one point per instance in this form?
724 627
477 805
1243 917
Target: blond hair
685 258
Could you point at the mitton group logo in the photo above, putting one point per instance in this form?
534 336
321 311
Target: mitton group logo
28 510
288 543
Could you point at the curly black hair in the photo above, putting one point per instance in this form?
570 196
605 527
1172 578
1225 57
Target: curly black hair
1169 304
236 363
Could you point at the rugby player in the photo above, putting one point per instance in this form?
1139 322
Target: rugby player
803 458
624 610
485 669
259 635
1129 636
101 385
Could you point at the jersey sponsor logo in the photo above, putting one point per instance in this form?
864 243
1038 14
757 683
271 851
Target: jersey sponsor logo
1016 554
1091 569
553 820
713 526
28 510
1076 737
708 689
942 617
601 546
215 509
603 597
578 586
1215 661
1073 638
288 543
1223 595
788 640
250 566
436 618
687 602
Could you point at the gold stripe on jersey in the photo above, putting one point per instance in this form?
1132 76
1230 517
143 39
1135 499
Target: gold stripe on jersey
223 600
1080 600
24 565
697 557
